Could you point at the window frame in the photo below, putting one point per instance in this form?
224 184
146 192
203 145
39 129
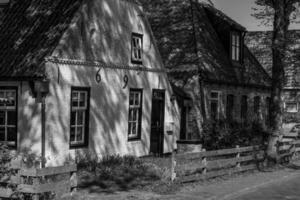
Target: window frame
236 48
86 121
12 88
135 60
218 99
291 102
140 114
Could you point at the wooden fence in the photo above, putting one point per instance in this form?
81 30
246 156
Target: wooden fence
38 182
208 164
288 148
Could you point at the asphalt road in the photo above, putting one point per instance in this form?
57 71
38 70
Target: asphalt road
284 190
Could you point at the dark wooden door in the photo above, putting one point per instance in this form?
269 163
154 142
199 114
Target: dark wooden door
157 122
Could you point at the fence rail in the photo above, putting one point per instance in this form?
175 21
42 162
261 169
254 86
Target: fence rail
208 164
288 148
36 182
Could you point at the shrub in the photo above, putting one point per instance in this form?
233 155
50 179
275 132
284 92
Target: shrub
224 134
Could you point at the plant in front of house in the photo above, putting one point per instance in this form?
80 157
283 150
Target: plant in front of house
224 134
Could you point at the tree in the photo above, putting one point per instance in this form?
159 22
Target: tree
281 13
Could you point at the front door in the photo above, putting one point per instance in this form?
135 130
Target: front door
157 122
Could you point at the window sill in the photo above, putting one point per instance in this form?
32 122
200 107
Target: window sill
137 62
134 139
78 146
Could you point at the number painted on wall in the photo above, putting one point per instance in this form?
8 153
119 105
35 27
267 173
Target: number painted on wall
98 76
125 79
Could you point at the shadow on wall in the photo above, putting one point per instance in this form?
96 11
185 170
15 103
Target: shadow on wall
107 40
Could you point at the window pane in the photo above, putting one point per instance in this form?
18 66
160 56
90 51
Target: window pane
72 135
131 98
75 99
214 95
10 96
2 117
73 118
11 134
135 53
137 99
139 54
134 129
133 42
130 114
11 118
82 99
233 53
80 117
79 134
135 115
2 134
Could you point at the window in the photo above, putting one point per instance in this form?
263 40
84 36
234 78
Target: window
291 107
235 46
135 114
136 48
8 115
214 105
256 107
244 108
230 107
79 116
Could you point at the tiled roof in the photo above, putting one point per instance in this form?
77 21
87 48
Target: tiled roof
188 37
260 44
30 31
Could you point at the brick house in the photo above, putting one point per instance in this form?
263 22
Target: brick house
95 67
260 44
213 73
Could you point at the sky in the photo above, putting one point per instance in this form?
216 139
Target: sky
240 11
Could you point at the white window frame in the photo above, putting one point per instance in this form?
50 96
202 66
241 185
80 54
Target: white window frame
216 99
6 109
235 46
77 109
291 102
137 48
137 95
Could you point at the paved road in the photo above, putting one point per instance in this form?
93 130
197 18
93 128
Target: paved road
284 190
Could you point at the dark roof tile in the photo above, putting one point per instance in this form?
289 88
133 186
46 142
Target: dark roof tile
30 31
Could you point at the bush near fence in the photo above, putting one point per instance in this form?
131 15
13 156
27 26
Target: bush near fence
35 183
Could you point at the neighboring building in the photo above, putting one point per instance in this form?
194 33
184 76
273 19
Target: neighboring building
260 44
214 74
108 90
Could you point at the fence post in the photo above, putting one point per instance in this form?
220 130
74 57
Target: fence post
204 163
35 183
173 166
238 155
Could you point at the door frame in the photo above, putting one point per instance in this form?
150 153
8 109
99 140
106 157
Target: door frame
162 137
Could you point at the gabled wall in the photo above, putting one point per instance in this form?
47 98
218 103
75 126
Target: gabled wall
100 35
